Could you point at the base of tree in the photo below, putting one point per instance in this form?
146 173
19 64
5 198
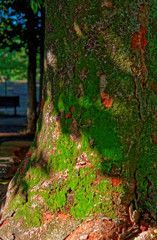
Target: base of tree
44 224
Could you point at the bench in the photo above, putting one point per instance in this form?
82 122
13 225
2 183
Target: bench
10 101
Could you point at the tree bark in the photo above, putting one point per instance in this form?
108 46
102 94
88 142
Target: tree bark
95 148
32 52
42 37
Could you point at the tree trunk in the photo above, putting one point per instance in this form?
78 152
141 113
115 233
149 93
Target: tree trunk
32 52
42 36
95 148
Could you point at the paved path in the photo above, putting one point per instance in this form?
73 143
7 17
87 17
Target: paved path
12 124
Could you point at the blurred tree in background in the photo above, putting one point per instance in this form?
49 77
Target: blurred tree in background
20 26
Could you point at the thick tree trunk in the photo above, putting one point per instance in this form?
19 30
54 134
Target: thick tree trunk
32 52
94 155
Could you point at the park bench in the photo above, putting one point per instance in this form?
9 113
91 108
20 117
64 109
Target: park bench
9 101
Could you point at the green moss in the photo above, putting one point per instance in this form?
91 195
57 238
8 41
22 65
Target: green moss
26 212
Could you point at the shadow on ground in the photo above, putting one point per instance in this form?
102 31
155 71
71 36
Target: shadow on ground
14 143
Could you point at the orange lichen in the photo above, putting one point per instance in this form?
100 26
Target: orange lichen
106 100
139 39
143 41
134 40
116 182
71 109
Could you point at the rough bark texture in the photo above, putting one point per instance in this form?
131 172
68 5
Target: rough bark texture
94 155
42 37
32 52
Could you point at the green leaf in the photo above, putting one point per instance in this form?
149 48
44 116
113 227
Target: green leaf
34 6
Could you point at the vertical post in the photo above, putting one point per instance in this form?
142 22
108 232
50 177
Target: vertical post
5 79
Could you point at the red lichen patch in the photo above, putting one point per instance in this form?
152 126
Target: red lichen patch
139 39
143 226
106 100
107 3
116 182
68 115
71 109
134 40
6 221
21 152
63 216
47 217
42 104
142 39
